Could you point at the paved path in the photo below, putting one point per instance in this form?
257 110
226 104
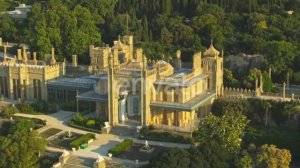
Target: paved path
102 143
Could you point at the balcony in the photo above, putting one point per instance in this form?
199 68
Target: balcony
187 106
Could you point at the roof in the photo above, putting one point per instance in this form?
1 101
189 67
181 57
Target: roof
211 51
134 64
177 80
187 106
72 83
92 96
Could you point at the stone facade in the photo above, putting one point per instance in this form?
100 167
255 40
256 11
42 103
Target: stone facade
25 78
122 83
155 93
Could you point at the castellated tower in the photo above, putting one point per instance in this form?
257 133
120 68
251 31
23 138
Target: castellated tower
212 64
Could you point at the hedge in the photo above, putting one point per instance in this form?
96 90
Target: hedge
81 140
166 137
147 133
121 147
72 124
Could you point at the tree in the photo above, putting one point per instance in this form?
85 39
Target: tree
249 81
9 111
8 29
172 158
228 130
229 80
280 55
21 148
210 154
270 156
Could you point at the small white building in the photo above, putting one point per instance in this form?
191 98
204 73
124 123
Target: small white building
20 11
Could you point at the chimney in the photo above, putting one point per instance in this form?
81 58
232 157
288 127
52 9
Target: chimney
19 54
53 61
74 60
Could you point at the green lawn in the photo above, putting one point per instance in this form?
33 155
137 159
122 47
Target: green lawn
50 132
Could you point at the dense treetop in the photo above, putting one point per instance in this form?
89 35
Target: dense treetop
163 26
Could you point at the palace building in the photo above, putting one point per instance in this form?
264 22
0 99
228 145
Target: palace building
25 78
157 92
123 84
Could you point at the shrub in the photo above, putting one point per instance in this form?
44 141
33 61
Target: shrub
121 147
9 111
40 106
90 122
149 134
81 140
72 124
78 118
25 107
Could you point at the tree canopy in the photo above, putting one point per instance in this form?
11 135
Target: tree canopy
22 147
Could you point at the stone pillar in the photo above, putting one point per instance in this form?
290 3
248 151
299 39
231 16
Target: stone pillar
261 85
283 91
5 53
270 73
25 59
287 81
100 163
112 94
34 58
19 54
53 60
178 57
74 60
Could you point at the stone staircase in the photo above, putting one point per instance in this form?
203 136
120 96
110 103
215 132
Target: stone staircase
79 162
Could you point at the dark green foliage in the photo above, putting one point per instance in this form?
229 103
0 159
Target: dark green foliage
281 137
95 130
256 109
81 140
163 26
210 154
21 147
26 108
119 148
9 111
173 158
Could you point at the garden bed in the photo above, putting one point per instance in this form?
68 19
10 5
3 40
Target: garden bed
72 124
62 142
50 132
82 141
134 153
80 121
164 136
38 122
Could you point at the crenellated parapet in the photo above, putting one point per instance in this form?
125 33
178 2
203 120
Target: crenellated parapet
238 91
